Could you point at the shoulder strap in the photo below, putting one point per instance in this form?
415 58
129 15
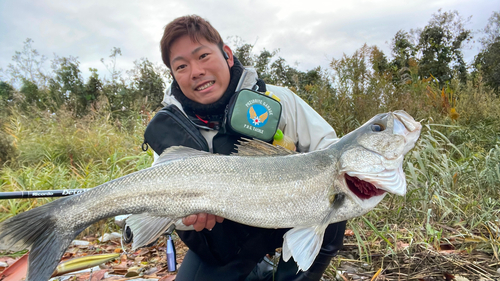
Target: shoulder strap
170 127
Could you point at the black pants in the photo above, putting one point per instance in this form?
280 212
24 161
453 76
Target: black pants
237 262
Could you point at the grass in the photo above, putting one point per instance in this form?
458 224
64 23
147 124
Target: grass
58 151
453 199
453 173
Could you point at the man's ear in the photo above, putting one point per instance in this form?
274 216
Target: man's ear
171 73
230 57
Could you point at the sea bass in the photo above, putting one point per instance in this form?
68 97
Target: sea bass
303 191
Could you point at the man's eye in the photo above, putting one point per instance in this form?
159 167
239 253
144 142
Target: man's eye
182 66
204 56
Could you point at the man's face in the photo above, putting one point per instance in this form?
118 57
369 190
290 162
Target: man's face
200 69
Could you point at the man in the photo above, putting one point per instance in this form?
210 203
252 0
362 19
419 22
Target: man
206 76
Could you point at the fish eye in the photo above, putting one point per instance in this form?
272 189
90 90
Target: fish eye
377 128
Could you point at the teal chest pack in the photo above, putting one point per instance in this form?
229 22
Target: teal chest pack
253 114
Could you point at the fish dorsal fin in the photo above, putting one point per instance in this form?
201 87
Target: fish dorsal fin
147 228
254 147
178 153
303 244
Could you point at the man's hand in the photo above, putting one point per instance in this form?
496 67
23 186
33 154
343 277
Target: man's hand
202 220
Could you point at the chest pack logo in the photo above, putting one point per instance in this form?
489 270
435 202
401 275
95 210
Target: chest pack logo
257 115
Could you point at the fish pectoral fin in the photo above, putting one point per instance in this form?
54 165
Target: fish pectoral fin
303 244
146 228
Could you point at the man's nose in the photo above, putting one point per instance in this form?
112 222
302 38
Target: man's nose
197 70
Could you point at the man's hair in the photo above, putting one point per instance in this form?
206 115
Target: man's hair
194 26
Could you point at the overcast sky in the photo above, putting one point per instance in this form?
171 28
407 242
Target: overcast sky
307 32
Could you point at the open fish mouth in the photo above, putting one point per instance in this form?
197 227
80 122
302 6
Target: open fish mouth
361 188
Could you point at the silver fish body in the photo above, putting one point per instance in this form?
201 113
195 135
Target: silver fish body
306 192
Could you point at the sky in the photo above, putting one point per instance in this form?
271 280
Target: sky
308 33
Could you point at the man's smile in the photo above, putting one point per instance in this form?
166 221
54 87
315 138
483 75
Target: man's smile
205 85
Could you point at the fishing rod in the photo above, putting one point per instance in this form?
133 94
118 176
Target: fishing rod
170 249
40 193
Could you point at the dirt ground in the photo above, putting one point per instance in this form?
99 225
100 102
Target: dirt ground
423 264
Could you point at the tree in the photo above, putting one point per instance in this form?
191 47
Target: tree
404 52
244 54
115 89
6 93
241 50
32 95
352 73
440 44
28 65
67 85
488 60
492 30
262 64
312 77
111 65
148 83
379 61
403 49
282 74
93 87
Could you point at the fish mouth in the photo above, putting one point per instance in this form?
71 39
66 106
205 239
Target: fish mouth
361 188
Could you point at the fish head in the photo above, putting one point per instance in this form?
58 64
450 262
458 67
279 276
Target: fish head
371 157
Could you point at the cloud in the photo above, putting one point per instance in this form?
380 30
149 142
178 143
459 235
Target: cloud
310 33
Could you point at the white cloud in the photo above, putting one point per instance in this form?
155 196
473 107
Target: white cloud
309 32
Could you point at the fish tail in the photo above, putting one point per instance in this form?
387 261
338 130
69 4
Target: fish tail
38 231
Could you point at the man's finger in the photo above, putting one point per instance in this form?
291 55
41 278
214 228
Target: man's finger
189 220
210 222
219 219
201 222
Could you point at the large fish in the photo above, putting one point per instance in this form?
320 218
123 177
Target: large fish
305 192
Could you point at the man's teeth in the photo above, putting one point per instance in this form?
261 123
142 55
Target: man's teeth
204 86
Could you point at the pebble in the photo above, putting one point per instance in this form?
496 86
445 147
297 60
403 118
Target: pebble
366 266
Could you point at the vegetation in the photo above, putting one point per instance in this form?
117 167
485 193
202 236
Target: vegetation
59 130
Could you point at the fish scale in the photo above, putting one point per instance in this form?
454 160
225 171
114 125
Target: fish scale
305 192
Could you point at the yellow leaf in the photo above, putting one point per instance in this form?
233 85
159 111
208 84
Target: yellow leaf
454 114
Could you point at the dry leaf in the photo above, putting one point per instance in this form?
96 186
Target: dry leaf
348 232
98 275
168 278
